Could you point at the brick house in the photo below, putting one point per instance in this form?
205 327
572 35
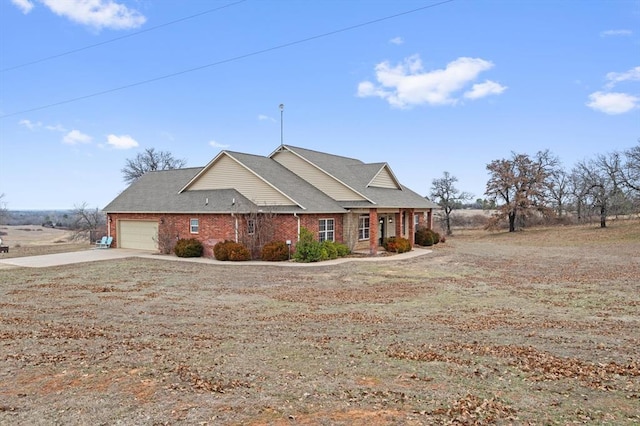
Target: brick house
237 196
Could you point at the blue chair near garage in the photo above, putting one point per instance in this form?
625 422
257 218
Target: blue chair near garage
104 243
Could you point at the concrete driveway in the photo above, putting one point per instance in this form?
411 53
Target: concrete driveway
57 259
94 255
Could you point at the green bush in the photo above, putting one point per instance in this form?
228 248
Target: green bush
188 247
423 237
275 251
308 249
343 249
331 249
230 250
436 237
396 244
426 237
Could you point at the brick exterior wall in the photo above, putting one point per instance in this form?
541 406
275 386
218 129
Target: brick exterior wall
312 223
219 227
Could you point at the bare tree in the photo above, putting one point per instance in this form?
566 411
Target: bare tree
147 161
167 237
448 196
256 229
630 170
519 185
601 181
578 191
86 221
3 210
559 190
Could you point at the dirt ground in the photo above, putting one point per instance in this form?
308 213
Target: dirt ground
535 327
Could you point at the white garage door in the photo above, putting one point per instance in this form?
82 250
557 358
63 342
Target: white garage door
138 234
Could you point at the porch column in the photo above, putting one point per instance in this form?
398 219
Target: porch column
373 232
430 219
411 228
398 218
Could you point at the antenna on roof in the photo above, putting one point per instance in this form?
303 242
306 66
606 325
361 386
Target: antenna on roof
281 126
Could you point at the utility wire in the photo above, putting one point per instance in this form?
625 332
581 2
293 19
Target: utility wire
224 61
91 46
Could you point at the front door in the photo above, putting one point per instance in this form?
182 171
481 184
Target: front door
382 227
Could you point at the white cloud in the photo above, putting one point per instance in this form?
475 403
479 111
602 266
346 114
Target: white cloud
121 142
56 128
611 33
24 5
75 137
613 103
408 84
396 40
29 124
480 90
37 125
218 145
97 13
617 77
263 117
367 88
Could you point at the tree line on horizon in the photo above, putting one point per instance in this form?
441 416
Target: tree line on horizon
523 186
520 187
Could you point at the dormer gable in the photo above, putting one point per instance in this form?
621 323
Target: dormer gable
226 171
295 160
385 178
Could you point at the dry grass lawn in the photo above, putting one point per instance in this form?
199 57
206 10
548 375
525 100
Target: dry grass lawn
536 327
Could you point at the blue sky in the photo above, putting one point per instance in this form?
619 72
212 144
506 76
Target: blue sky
447 87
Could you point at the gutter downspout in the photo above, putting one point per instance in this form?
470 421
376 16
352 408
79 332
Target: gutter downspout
298 233
233 215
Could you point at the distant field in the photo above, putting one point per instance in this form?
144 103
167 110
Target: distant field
538 327
32 240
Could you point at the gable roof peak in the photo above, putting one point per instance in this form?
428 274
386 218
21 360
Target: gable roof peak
315 153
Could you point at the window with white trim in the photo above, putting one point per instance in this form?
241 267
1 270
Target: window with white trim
251 226
194 226
416 220
363 227
326 227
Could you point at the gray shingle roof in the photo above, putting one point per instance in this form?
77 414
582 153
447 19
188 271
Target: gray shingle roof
305 194
159 191
357 175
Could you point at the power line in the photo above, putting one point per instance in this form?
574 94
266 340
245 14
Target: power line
224 61
91 46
